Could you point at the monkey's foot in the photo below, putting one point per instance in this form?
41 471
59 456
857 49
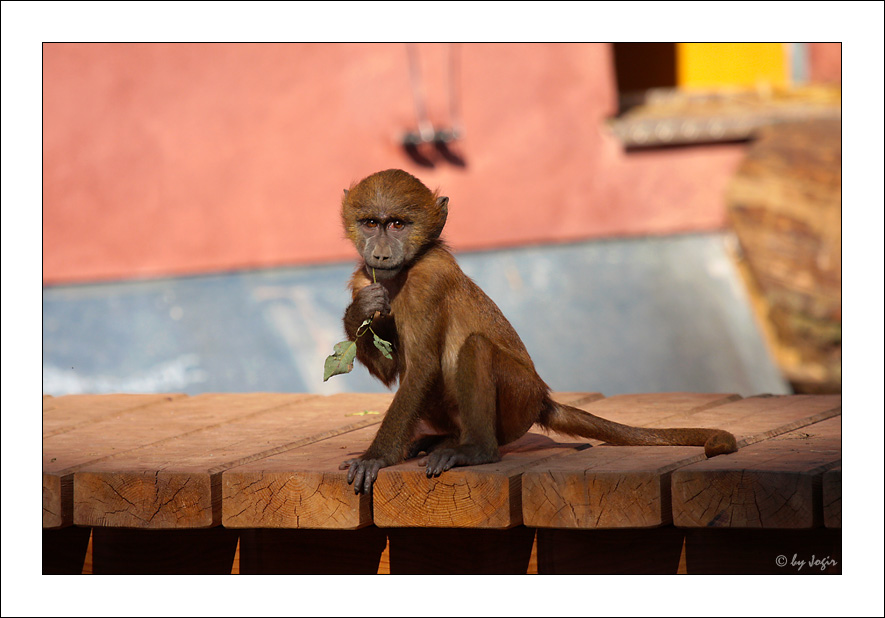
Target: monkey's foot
426 444
362 473
443 459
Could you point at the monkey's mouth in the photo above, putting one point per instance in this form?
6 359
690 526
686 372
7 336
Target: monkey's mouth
382 272
383 265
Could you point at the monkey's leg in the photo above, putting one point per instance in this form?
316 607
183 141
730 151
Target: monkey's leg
386 449
475 391
427 444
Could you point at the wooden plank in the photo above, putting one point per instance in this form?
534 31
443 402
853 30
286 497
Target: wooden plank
58 508
575 398
303 487
486 496
657 409
785 206
83 428
764 417
62 414
176 483
112 434
629 487
773 484
606 487
832 497
625 481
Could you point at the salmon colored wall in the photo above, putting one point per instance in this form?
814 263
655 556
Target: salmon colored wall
825 62
165 159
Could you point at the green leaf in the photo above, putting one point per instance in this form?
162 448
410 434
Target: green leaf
341 360
385 346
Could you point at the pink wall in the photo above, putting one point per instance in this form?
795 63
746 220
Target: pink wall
825 62
163 159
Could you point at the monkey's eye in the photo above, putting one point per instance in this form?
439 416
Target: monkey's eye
397 224
371 223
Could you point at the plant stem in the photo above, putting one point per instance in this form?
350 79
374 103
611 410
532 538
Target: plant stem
369 325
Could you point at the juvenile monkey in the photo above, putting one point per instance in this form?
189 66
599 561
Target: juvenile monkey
461 366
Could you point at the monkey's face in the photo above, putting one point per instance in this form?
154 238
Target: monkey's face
385 246
390 216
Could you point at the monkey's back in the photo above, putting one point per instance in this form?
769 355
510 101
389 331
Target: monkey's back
438 281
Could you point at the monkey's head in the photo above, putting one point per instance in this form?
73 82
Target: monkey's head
390 217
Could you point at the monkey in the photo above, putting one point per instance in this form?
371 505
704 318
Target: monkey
461 366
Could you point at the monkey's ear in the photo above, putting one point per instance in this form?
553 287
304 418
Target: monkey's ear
346 192
442 204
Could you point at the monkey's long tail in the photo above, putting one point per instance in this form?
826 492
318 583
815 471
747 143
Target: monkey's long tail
572 421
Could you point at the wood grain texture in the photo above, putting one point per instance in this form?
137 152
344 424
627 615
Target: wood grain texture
486 496
624 487
774 484
58 500
657 409
171 482
832 497
606 487
613 487
78 429
756 419
62 414
254 461
785 206
303 487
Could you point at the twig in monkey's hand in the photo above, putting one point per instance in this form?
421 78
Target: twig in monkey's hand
341 359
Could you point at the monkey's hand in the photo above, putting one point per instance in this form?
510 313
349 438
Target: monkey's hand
362 473
368 300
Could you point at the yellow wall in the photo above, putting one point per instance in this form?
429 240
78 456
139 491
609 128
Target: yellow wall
700 65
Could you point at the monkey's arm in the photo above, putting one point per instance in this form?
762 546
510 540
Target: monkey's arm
366 302
393 436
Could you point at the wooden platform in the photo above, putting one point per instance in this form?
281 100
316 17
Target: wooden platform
249 483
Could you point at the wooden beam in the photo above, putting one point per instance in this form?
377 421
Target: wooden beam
174 482
832 497
627 487
771 484
486 496
303 487
78 429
